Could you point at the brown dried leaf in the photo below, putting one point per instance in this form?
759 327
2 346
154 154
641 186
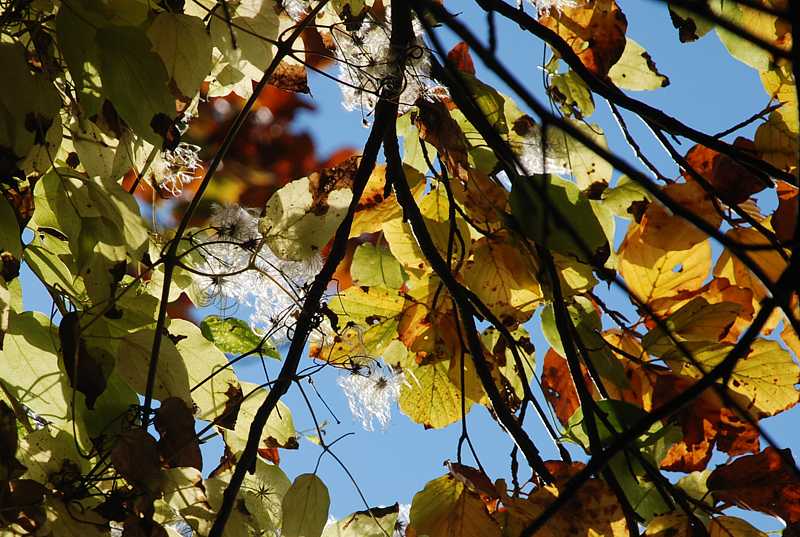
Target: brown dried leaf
784 219
761 482
178 445
290 77
135 456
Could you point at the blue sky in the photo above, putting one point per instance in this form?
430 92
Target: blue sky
709 90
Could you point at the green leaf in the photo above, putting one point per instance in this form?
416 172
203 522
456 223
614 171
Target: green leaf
690 26
45 450
30 369
172 376
570 90
585 165
305 507
263 494
45 256
376 266
532 203
185 48
210 375
28 102
588 327
636 70
75 30
255 23
375 522
754 22
445 508
623 197
293 230
135 80
235 336
95 148
279 431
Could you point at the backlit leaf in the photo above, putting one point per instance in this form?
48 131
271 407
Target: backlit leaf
185 48
445 507
305 507
136 81
636 70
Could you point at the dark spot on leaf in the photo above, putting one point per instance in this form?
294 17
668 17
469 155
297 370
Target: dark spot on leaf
73 161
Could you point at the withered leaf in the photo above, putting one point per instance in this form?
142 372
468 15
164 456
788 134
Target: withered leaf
733 182
178 445
290 77
761 482
84 370
135 456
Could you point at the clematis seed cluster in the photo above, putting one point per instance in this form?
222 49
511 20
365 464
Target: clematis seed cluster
371 396
240 269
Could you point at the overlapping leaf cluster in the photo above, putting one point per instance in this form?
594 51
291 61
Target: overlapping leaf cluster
435 267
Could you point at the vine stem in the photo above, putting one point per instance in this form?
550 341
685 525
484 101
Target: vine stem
171 257
385 115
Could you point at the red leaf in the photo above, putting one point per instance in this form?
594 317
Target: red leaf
271 454
459 56
761 482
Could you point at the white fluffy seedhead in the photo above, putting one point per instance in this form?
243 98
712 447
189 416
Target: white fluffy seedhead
371 396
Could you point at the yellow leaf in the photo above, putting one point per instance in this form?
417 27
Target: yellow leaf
653 273
445 508
636 70
429 396
502 277
592 512
730 526
669 525
764 380
661 229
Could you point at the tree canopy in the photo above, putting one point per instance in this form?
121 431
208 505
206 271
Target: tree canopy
152 189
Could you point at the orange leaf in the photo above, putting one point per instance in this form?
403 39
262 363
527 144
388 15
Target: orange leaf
784 219
558 387
662 229
705 423
595 31
733 182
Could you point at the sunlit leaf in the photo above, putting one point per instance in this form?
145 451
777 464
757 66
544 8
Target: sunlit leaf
305 507
136 81
235 336
636 70
446 507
